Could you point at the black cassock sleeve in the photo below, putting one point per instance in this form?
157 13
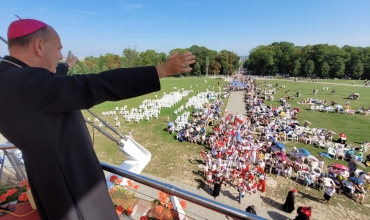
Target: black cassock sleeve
53 94
62 70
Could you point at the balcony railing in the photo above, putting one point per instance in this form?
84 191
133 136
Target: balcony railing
164 187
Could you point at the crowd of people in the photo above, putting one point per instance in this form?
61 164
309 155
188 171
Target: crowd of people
245 149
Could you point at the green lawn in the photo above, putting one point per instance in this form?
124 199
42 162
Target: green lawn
166 152
356 126
179 161
170 159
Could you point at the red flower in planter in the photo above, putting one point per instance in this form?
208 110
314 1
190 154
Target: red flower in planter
23 197
136 187
162 197
119 210
112 190
183 204
168 216
129 183
24 183
144 218
118 181
159 209
129 211
3 197
11 192
113 179
169 205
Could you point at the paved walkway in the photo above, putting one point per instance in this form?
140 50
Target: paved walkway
228 195
236 103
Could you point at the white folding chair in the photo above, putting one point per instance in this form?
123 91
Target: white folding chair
300 175
332 152
305 167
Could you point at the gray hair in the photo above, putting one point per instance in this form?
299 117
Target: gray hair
24 41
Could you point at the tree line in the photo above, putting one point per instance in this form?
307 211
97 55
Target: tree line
223 62
321 60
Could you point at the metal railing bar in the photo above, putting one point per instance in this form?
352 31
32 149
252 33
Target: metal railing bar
172 190
183 194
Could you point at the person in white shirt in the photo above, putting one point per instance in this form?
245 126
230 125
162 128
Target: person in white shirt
288 171
209 179
205 170
241 191
329 192
339 152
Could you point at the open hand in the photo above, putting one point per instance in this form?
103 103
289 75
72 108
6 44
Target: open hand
176 63
71 60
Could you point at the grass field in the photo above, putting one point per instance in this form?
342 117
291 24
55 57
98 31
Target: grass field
170 159
170 154
356 126
179 161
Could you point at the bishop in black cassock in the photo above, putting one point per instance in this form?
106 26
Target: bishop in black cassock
40 114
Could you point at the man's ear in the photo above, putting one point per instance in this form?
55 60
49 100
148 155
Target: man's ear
39 46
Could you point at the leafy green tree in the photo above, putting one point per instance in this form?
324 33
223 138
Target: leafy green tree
214 67
261 59
95 68
358 70
365 59
296 67
162 57
130 57
196 69
284 53
201 53
148 58
325 68
82 68
309 68
179 50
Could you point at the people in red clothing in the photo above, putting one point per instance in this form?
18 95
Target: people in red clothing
304 213
251 176
260 169
342 138
262 183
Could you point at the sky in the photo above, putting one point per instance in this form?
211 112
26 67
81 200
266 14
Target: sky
98 27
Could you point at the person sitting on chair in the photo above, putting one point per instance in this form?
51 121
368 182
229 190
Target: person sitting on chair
342 138
349 154
347 187
367 160
339 152
360 192
320 182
